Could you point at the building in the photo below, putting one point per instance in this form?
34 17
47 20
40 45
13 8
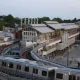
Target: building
5 36
57 36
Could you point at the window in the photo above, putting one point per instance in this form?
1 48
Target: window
10 65
34 34
24 33
78 78
44 73
59 76
18 67
72 77
51 74
30 33
3 63
35 71
27 69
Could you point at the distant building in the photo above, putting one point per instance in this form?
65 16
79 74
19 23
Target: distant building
56 35
16 31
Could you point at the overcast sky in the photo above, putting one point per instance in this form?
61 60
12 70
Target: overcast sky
66 9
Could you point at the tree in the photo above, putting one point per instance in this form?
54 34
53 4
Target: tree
2 23
58 20
74 20
17 20
44 19
67 21
9 20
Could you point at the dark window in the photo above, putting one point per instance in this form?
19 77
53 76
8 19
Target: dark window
78 78
27 69
10 65
24 33
17 54
59 76
72 77
3 63
18 67
44 73
35 71
51 74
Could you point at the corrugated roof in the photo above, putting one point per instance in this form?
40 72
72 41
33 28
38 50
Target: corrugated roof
69 25
63 26
41 28
50 22
38 25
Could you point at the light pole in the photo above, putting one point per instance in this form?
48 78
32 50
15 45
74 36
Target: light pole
68 58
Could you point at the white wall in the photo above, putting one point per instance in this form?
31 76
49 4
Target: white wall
61 46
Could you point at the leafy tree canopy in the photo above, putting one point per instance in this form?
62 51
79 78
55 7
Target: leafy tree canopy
58 20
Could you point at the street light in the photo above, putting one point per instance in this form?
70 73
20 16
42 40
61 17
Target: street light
68 58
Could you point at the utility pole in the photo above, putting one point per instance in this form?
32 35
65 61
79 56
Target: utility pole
68 57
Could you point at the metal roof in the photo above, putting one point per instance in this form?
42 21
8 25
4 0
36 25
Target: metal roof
69 25
50 22
63 26
38 25
5 34
43 29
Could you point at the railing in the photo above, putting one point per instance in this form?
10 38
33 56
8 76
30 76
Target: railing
7 49
36 56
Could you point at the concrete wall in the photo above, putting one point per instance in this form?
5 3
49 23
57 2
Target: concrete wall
61 46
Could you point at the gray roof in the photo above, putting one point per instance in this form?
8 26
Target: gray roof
63 26
50 22
41 28
69 25
38 25
5 34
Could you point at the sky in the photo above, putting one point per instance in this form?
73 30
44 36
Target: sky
65 9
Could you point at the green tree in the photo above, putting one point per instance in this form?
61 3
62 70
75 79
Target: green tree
17 20
44 19
2 23
9 20
58 20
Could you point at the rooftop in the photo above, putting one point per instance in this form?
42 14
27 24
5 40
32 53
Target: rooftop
43 29
63 26
50 22
5 34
